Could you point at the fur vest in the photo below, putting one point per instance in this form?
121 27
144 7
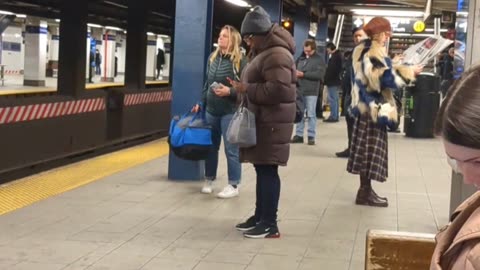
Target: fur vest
374 80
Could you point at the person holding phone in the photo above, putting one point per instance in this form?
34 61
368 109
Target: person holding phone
219 98
269 82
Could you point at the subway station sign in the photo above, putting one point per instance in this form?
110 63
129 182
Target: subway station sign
399 24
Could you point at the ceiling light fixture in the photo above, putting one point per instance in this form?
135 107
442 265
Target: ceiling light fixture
113 28
240 3
387 13
6 12
94 25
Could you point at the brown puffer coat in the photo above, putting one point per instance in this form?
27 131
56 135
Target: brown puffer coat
271 91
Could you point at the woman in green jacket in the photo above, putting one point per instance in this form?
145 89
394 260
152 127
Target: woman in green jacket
220 99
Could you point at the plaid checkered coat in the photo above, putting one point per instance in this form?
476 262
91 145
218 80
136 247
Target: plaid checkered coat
374 80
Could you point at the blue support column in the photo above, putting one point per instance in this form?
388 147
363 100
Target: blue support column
192 45
274 8
302 26
321 37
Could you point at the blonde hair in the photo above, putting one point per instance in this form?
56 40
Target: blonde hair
234 42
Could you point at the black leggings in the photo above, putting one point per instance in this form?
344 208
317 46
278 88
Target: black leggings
268 193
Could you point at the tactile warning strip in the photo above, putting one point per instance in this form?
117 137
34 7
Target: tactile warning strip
32 189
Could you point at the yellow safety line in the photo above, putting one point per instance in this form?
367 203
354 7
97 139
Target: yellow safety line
34 188
97 86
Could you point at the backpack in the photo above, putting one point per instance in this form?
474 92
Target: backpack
190 136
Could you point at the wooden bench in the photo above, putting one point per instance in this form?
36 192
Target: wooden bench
391 250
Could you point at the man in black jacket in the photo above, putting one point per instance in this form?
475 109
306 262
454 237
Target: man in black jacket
332 81
358 36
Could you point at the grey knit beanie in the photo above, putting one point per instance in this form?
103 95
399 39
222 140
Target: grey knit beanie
256 22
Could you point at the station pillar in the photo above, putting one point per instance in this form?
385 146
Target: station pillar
53 51
73 48
301 27
274 8
151 57
35 52
136 54
108 62
192 45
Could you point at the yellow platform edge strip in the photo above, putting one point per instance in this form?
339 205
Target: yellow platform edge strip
97 86
29 190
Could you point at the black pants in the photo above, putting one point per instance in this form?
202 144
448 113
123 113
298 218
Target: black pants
319 108
350 122
268 193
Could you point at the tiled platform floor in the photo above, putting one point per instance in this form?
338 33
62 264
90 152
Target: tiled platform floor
137 219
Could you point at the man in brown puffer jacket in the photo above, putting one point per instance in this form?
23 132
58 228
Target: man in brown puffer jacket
269 81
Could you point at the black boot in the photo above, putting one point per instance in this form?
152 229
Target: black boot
379 197
344 154
365 196
297 139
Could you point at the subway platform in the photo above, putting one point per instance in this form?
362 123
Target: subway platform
119 211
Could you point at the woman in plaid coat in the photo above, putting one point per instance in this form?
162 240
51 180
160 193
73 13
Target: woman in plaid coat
374 81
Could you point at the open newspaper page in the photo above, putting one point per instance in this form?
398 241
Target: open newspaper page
426 50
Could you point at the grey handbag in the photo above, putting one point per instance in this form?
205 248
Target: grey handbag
242 130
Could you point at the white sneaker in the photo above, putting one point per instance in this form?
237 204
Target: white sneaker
228 192
207 187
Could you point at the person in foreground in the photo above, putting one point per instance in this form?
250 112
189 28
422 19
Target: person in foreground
269 82
373 104
458 123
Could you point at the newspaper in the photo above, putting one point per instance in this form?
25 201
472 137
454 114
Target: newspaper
426 50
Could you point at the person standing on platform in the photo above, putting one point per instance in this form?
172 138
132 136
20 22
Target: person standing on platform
358 36
374 108
332 81
160 62
269 82
91 66
98 62
310 71
458 243
224 63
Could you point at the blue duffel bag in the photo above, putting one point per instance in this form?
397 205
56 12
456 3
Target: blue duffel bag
190 136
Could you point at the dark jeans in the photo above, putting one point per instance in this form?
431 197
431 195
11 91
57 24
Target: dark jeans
268 193
350 122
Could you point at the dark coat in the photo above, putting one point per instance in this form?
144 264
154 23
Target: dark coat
160 58
313 69
347 84
334 69
271 92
